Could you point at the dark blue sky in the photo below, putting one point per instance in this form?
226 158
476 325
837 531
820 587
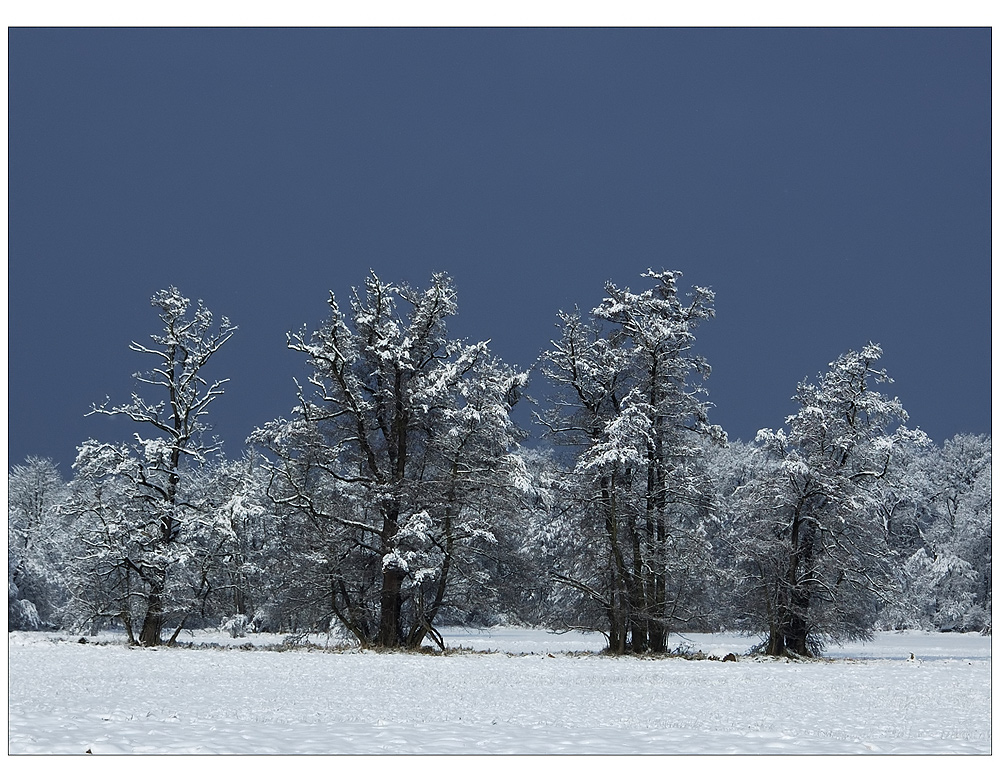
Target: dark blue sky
833 186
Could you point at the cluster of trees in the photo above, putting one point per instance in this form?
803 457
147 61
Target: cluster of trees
399 495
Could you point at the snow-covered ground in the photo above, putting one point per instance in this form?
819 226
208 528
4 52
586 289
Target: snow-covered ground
534 693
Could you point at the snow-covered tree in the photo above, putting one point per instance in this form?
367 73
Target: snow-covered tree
810 527
457 548
35 536
248 561
142 523
535 546
112 529
948 573
397 467
629 401
729 467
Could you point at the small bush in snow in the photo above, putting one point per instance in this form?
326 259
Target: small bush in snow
236 626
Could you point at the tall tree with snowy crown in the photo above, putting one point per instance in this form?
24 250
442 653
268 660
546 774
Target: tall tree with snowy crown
388 462
629 400
811 527
153 467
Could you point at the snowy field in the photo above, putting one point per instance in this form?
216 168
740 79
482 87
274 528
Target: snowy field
527 692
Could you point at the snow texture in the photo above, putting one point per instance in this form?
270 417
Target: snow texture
533 693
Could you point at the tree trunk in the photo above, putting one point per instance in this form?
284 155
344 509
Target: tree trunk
657 636
775 643
616 635
796 639
656 596
797 631
790 634
622 597
390 609
152 624
638 618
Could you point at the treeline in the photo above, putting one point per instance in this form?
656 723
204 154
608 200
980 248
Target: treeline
398 495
